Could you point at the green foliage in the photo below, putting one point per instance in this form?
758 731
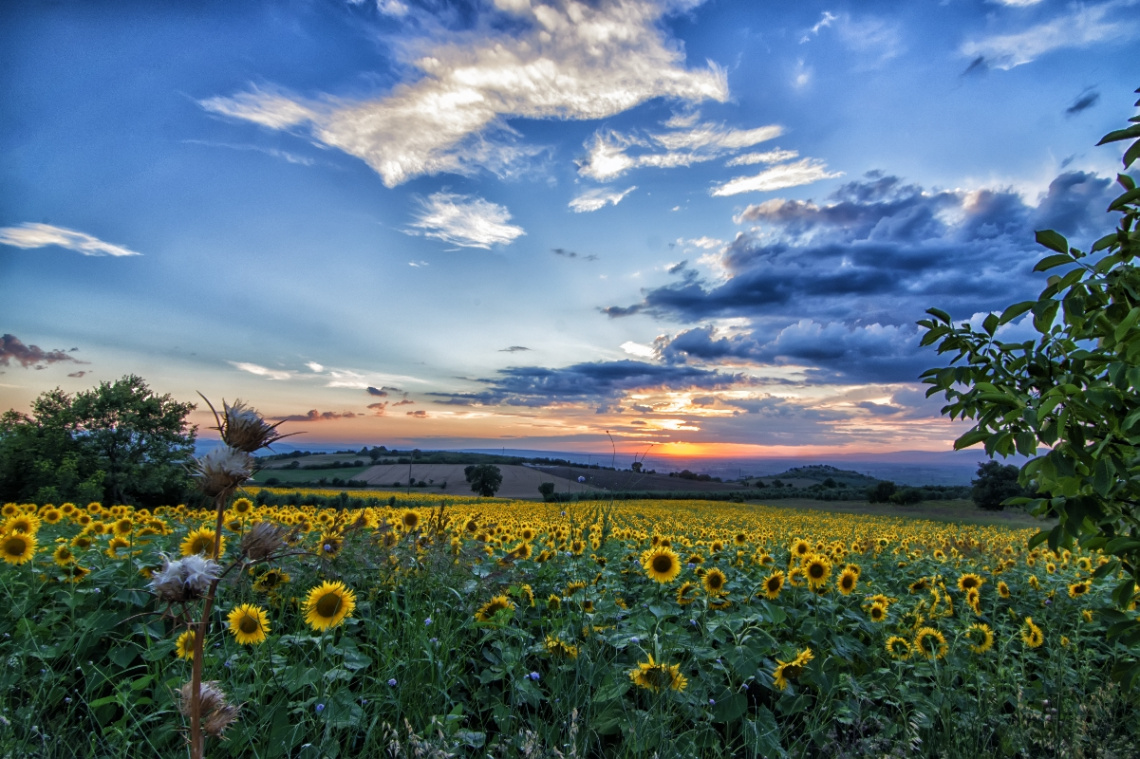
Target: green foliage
117 443
547 490
881 492
1074 390
996 484
485 479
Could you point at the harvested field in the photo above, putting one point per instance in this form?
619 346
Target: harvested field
518 481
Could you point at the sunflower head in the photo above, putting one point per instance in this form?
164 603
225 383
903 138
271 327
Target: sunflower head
18 547
898 648
980 637
817 569
487 611
248 624
658 677
969 581
714 582
184 646
1031 634
930 643
847 581
328 604
773 584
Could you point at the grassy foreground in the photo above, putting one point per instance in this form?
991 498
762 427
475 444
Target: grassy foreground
492 628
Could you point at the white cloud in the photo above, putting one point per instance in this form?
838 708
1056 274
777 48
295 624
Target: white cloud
801 172
1017 3
29 235
261 371
610 154
705 243
801 75
1082 27
315 367
418 264
593 200
771 156
637 349
465 220
866 36
570 60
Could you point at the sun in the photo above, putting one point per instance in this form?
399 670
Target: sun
248 624
328 604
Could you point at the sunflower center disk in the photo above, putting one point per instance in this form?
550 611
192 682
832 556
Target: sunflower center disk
328 606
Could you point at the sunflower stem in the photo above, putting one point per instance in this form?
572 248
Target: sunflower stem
196 737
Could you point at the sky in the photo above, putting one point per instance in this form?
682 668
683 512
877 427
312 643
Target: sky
698 228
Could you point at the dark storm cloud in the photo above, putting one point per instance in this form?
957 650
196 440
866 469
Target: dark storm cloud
13 349
837 286
594 383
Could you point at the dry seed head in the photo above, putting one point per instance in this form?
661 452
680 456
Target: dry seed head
263 540
222 469
212 698
241 427
184 580
219 719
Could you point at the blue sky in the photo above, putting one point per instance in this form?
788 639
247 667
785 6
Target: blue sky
708 226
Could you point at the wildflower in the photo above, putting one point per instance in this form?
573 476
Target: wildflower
534 676
556 647
658 677
217 713
392 682
248 624
661 564
328 604
243 429
786 670
264 539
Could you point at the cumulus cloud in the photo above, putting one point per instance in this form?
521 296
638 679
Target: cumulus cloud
597 199
13 349
418 414
378 408
595 383
465 220
261 371
375 391
30 235
804 171
317 416
1082 26
865 264
613 153
557 60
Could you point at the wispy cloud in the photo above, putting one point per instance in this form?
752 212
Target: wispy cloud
564 60
1083 26
13 349
261 371
284 155
514 349
594 200
771 156
804 171
573 254
613 153
317 416
30 235
465 220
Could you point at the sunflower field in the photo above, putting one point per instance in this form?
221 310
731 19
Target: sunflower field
490 628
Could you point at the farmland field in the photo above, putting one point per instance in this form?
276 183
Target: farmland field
477 627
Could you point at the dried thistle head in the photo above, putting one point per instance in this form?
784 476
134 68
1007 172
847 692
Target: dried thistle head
242 427
263 540
221 470
211 697
219 719
184 580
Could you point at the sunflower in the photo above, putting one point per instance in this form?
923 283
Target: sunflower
52 515
122 526
1031 634
969 581
269 580
1078 589
847 581
184 646
796 576
898 648
791 669
720 603
573 587
328 604
410 520
773 584
980 637
330 544
919 585
658 677
930 643
686 594
73 573
1003 590
877 612
560 649
248 624
714 582
554 602
82 541
242 506
1086 615
25 523
800 547
63 555
18 547
201 541
488 610
114 545
818 569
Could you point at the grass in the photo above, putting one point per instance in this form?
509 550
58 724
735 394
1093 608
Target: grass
309 475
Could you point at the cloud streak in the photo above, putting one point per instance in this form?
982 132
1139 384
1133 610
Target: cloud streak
804 171
464 220
597 199
261 371
30 235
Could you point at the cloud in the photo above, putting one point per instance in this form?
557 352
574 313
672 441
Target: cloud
314 366
595 383
274 152
872 36
557 60
571 254
418 414
376 392
804 171
1083 26
1087 100
771 156
79 374
29 235
317 416
404 402
13 349
865 264
514 349
466 221
261 371
614 153
594 200
378 408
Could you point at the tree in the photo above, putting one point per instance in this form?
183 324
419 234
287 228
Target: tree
1074 389
485 479
547 490
881 492
117 443
995 485
636 466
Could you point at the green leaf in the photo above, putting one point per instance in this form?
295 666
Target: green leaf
1129 197
731 708
973 437
1120 134
1051 262
1053 241
990 324
1014 311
